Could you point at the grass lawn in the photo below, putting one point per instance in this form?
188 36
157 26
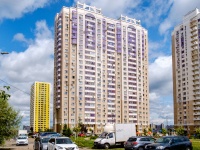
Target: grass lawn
88 143
83 141
195 144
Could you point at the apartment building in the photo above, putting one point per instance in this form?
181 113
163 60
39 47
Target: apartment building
186 75
39 106
100 69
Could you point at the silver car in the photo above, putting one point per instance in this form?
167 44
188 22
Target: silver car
40 143
138 142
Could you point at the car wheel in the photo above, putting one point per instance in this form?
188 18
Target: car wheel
106 146
188 148
140 148
167 149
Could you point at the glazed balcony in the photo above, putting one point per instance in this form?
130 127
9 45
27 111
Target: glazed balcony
197 103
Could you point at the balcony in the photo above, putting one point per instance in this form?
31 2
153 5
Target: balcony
193 24
195 69
196 114
193 29
195 48
194 39
57 106
197 118
196 108
195 63
195 72
195 60
197 103
194 34
197 93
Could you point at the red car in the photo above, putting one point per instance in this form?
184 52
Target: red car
81 134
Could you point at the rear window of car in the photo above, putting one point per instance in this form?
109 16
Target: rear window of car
132 139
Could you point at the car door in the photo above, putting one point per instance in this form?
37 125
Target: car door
174 145
182 142
144 141
111 138
51 144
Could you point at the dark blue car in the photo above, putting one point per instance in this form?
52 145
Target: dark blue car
171 143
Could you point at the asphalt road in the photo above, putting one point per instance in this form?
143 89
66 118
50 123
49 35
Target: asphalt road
12 145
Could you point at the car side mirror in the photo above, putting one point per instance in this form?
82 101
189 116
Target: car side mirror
107 137
53 143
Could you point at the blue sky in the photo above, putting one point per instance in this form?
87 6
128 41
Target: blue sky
26 32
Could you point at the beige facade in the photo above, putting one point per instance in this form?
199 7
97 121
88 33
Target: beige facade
101 70
186 75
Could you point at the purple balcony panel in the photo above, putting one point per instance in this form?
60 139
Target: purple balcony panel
74 36
74 41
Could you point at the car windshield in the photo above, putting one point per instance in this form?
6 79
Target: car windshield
45 140
64 141
22 138
163 140
103 135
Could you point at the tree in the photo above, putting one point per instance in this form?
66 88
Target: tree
145 132
66 131
76 130
198 133
9 118
164 131
180 131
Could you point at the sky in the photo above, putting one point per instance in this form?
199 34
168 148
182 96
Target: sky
27 34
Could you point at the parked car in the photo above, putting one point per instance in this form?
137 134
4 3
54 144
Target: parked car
57 143
171 143
81 134
46 133
40 143
138 142
54 135
22 140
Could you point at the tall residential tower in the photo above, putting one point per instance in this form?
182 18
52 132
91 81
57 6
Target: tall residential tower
100 70
186 71
39 106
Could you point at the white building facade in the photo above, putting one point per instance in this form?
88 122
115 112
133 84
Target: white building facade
101 69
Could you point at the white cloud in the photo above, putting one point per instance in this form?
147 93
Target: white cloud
15 9
20 37
161 101
176 13
23 68
152 14
154 96
113 9
160 75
